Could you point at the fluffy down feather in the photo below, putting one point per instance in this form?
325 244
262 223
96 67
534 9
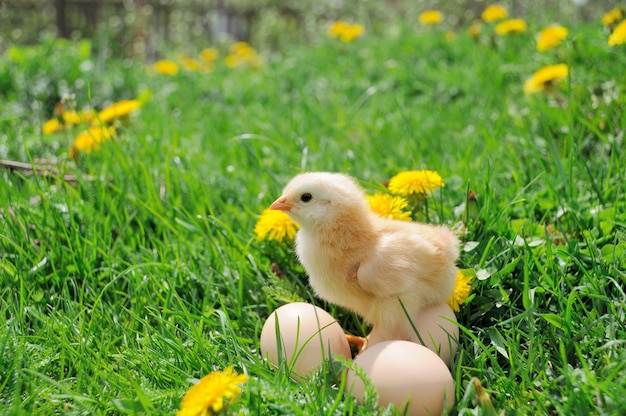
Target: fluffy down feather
366 263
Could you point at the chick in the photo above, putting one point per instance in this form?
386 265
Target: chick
365 263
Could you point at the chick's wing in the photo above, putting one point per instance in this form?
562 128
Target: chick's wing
399 261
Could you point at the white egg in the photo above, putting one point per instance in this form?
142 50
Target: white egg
406 374
305 336
437 329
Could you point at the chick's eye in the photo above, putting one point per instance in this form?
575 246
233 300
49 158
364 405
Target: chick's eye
306 197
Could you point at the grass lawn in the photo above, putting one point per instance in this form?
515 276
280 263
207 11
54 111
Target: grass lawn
142 271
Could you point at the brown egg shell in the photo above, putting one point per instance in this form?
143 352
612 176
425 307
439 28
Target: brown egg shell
437 329
308 335
405 374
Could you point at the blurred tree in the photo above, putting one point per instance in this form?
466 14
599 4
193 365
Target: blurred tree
140 28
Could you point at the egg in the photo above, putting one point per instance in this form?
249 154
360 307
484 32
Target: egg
306 335
406 374
437 329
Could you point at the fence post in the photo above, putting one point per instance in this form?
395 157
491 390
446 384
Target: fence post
59 8
140 29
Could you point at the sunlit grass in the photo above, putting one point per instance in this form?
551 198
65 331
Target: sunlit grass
119 288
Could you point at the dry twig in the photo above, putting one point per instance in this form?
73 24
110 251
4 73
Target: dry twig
43 169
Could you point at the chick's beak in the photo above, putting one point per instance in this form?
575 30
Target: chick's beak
281 204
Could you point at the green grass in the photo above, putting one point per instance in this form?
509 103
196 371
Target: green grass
118 290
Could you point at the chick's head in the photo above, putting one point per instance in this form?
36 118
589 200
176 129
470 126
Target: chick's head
318 197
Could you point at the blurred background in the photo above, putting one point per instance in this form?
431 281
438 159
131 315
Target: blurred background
145 28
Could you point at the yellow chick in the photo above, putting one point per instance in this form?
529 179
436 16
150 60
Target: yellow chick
366 263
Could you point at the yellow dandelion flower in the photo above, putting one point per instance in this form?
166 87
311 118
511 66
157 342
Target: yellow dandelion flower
618 36
118 110
73 117
87 116
209 54
233 61
613 16
493 13
242 49
474 30
415 182
166 67
545 78
337 28
345 31
352 32
206 67
275 225
51 126
389 206
450 36
551 37
511 27
90 139
241 53
462 290
70 117
67 118
188 63
430 17
209 395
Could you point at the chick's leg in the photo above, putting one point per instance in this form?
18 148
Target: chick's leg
360 342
